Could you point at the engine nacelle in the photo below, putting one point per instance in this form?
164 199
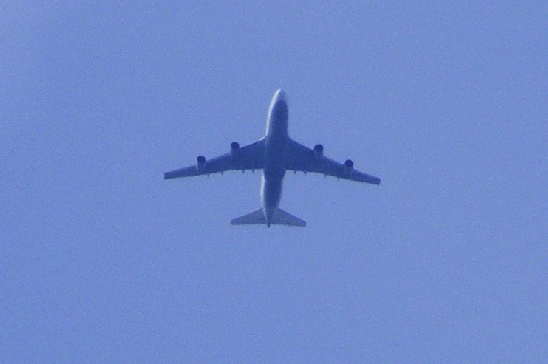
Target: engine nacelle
318 151
234 148
348 166
200 163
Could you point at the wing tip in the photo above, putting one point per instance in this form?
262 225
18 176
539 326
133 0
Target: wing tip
169 175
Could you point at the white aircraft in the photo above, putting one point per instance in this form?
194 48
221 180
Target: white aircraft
275 153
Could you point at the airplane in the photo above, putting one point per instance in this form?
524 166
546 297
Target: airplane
275 153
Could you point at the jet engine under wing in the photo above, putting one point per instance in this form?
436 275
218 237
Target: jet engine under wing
302 158
249 157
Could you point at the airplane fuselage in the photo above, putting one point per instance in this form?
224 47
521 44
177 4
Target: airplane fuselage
275 146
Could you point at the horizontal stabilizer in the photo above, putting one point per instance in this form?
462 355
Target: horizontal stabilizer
285 218
279 217
255 217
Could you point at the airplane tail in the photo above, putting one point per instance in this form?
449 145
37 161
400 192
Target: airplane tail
255 217
280 217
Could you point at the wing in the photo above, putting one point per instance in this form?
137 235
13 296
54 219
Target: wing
250 157
301 158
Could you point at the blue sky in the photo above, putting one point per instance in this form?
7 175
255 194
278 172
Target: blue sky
103 261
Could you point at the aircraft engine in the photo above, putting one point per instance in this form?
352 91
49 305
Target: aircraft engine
318 151
200 163
348 166
234 148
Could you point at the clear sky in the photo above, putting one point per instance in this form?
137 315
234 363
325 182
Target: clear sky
103 261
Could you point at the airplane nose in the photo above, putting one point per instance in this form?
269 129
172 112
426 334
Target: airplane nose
280 95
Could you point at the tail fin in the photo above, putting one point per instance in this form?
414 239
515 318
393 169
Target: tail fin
280 217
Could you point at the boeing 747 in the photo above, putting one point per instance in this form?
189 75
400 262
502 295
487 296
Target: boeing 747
275 153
